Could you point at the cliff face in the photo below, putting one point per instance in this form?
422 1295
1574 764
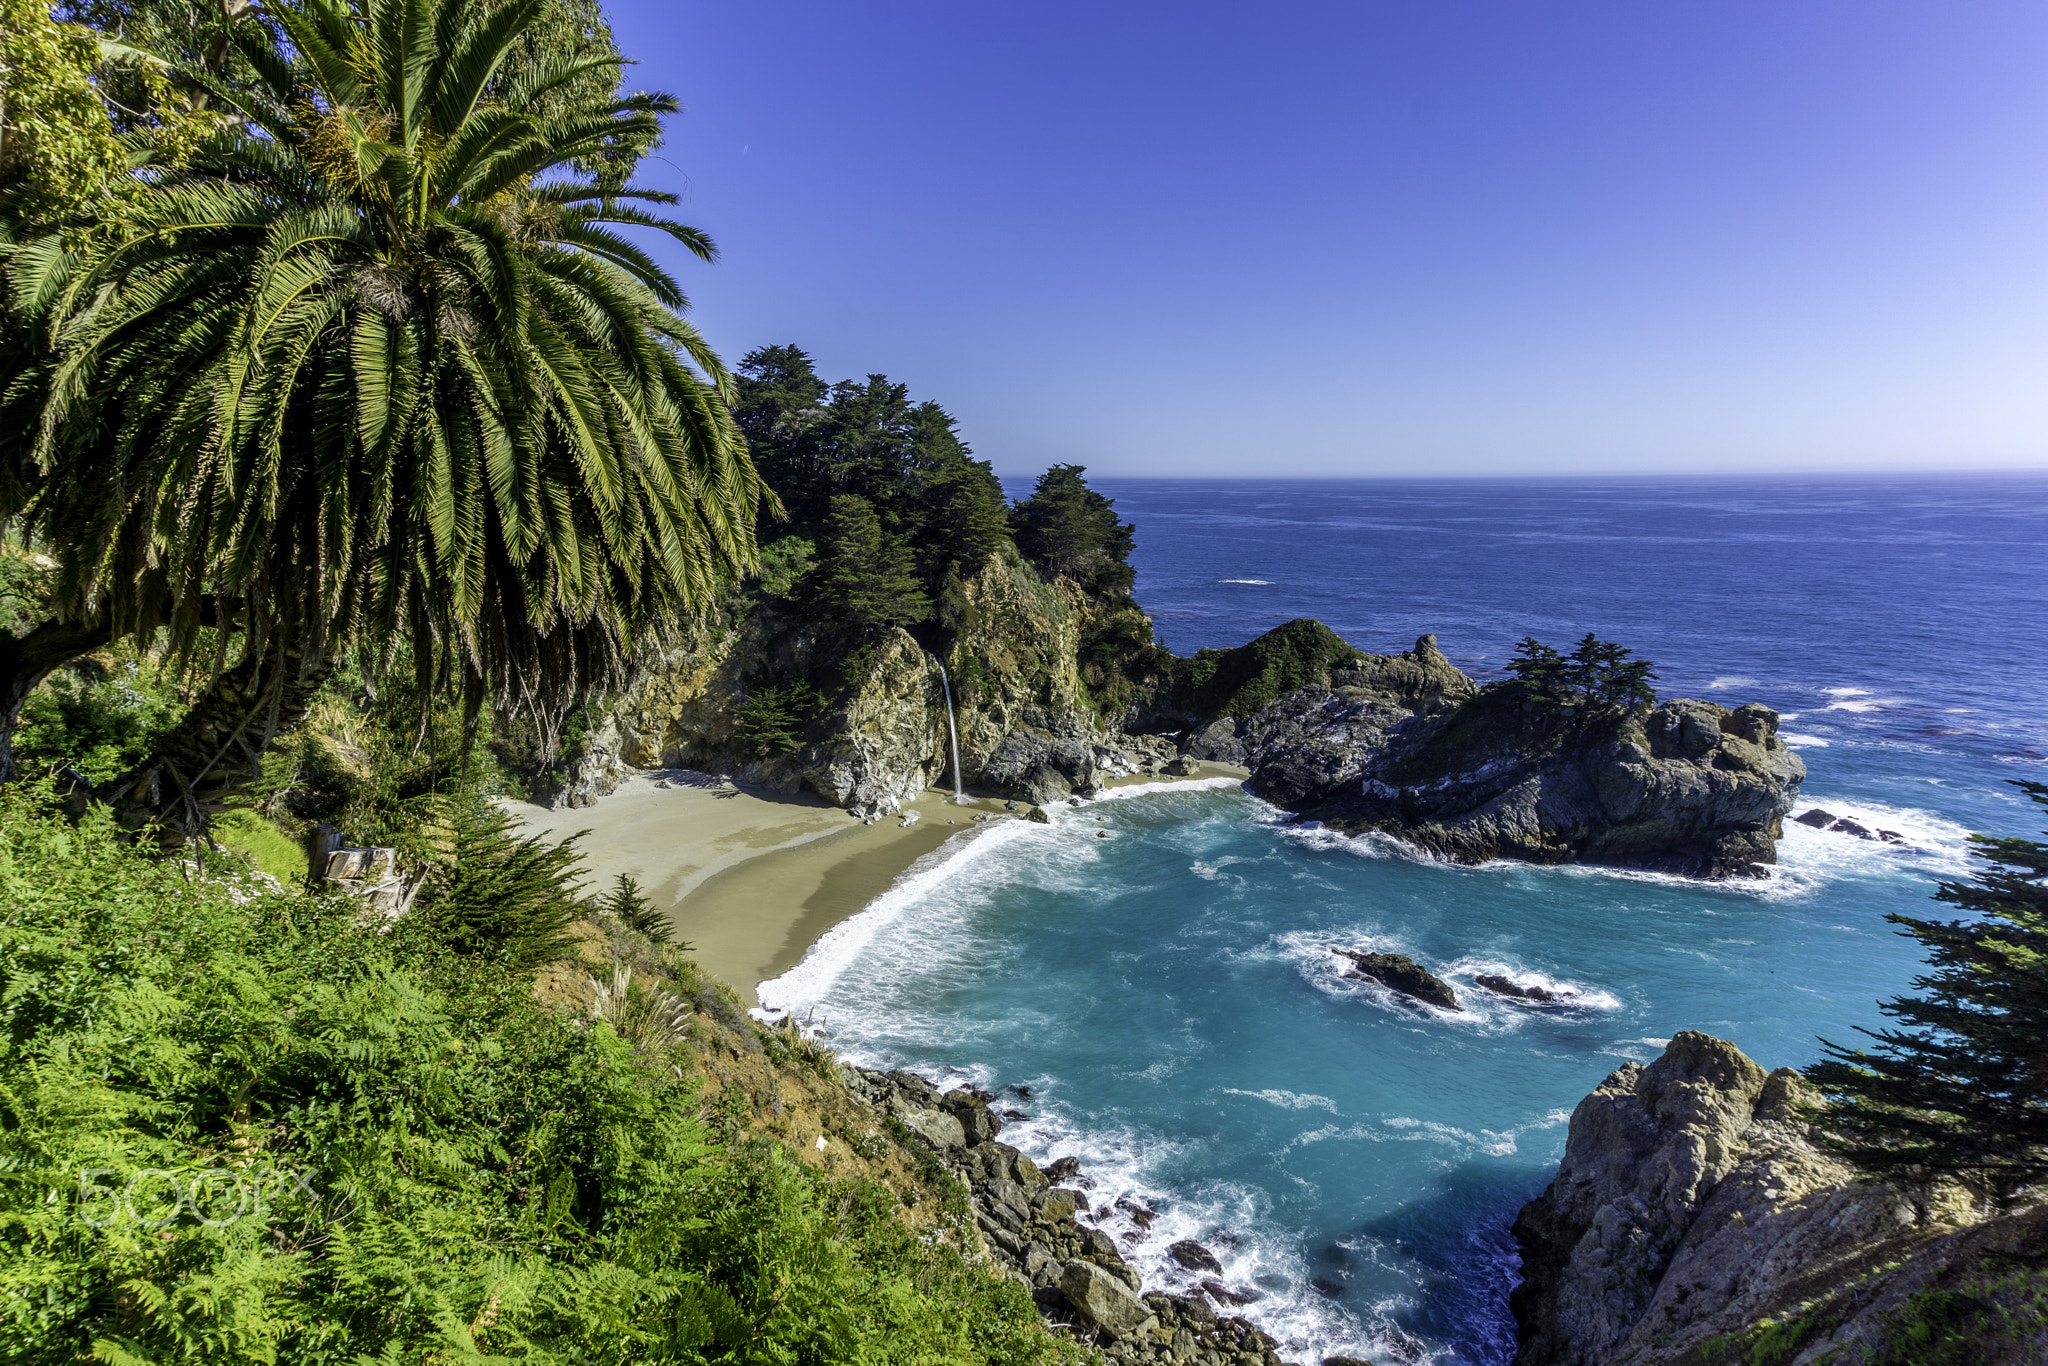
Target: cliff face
1407 744
1027 727
1692 1219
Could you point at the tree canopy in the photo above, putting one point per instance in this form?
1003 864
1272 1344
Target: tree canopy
376 367
1961 1089
1597 673
814 442
1067 528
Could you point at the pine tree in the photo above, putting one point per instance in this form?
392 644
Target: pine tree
627 904
1069 528
865 577
1962 1090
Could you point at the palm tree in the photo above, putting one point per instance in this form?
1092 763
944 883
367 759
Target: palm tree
374 368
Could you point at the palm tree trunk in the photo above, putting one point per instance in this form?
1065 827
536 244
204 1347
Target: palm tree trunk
26 660
218 745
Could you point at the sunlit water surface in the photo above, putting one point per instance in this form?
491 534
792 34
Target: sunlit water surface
1167 993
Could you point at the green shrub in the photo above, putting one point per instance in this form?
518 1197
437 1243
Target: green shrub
1237 683
383 1151
101 716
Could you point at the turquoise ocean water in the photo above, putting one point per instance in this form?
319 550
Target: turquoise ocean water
1167 994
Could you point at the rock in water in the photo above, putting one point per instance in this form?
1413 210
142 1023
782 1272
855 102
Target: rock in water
1818 819
1402 974
1501 986
1194 1256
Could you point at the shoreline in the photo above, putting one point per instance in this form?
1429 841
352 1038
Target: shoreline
753 879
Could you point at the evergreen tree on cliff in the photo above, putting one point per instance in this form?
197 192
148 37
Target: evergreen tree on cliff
865 576
814 442
1960 1091
1067 528
373 367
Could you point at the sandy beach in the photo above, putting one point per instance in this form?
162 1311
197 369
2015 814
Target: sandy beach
751 878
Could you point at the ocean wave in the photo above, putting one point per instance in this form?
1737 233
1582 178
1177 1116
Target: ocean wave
1929 842
1802 741
1730 681
1287 1100
1133 1200
820 968
1262 583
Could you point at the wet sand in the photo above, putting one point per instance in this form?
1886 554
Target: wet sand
749 878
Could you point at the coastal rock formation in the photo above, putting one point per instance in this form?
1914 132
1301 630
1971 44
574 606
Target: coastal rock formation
1503 986
1692 1217
1034 1229
1400 973
1027 728
1407 745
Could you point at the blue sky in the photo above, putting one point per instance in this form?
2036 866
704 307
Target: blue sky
1423 238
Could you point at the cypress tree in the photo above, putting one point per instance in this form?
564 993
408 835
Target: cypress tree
1961 1090
865 576
1069 528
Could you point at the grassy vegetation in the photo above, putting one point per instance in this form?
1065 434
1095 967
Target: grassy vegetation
245 1126
1237 683
264 844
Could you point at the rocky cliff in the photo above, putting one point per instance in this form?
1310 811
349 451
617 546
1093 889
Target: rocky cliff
876 733
1693 1222
1408 745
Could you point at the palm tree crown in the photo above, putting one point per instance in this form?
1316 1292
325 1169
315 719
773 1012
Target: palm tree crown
374 365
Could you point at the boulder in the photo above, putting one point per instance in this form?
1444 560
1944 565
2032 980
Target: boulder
977 1122
1817 818
1845 826
1054 1205
1037 815
1193 1256
1062 1168
1502 986
1403 974
1223 1294
1104 1300
935 1127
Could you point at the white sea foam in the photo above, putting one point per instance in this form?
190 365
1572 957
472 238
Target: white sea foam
1730 681
1287 1100
1808 857
1262 583
1802 741
1846 692
812 978
1863 704
1125 1169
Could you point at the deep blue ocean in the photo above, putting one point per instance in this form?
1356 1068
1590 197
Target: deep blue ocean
1167 994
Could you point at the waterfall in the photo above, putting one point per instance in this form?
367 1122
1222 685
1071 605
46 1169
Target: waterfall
959 799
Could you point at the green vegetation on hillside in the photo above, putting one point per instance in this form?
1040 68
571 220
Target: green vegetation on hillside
254 1127
1237 683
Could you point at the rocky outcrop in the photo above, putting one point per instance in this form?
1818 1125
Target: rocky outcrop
1037 1226
1398 972
1408 746
1505 986
1693 1216
1027 727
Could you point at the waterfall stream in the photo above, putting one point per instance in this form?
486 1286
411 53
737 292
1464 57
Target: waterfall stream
952 733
